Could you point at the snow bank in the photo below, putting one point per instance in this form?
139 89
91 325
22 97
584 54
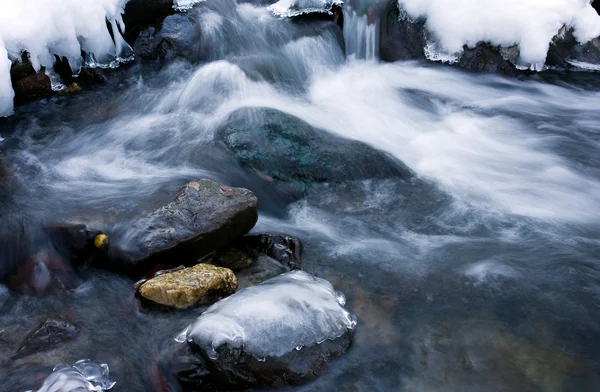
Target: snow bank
63 27
531 24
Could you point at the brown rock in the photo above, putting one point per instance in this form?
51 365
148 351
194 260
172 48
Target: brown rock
189 286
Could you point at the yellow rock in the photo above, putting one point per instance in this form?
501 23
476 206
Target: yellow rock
184 288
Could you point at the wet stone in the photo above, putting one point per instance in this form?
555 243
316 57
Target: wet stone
51 334
203 217
286 149
189 286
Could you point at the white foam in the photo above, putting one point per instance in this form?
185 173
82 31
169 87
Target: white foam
45 28
531 24
287 312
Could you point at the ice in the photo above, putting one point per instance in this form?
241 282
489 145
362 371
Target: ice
530 24
185 5
290 8
288 312
83 376
45 28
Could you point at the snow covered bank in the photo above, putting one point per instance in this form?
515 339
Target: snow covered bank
45 28
530 24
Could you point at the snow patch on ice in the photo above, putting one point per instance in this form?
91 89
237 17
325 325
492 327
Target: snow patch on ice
185 5
84 375
530 24
45 28
288 312
291 8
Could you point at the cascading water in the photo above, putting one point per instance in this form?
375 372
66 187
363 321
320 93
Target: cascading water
478 273
361 30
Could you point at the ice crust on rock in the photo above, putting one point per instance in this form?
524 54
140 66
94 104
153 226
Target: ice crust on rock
291 8
83 376
530 24
288 312
45 28
185 5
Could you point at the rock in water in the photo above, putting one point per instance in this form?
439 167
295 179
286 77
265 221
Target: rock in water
83 376
184 288
284 148
49 335
280 332
204 216
283 248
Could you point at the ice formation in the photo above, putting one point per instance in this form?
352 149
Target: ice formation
287 312
290 8
185 5
44 28
83 376
531 24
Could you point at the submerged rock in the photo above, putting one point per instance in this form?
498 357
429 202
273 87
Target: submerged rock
189 286
203 217
233 258
283 148
75 242
283 331
51 334
83 376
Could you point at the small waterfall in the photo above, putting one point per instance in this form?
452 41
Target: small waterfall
361 33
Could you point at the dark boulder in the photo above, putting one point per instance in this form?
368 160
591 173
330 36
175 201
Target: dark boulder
75 242
204 216
178 37
402 38
486 58
143 12
287 250
283 149
51 334
566 53
281 332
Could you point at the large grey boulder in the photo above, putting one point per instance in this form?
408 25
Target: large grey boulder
203 217
281 148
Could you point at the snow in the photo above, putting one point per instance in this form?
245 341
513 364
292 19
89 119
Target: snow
44 28
185 5
287 312
291 8
531 24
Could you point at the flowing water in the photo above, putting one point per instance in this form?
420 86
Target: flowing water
484 275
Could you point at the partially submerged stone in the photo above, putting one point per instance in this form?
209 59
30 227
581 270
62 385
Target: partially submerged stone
204 216
51 334
187 287
284 248
286 149
283 331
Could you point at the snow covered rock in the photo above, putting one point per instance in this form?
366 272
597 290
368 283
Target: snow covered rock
529 24
45 28
280 332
